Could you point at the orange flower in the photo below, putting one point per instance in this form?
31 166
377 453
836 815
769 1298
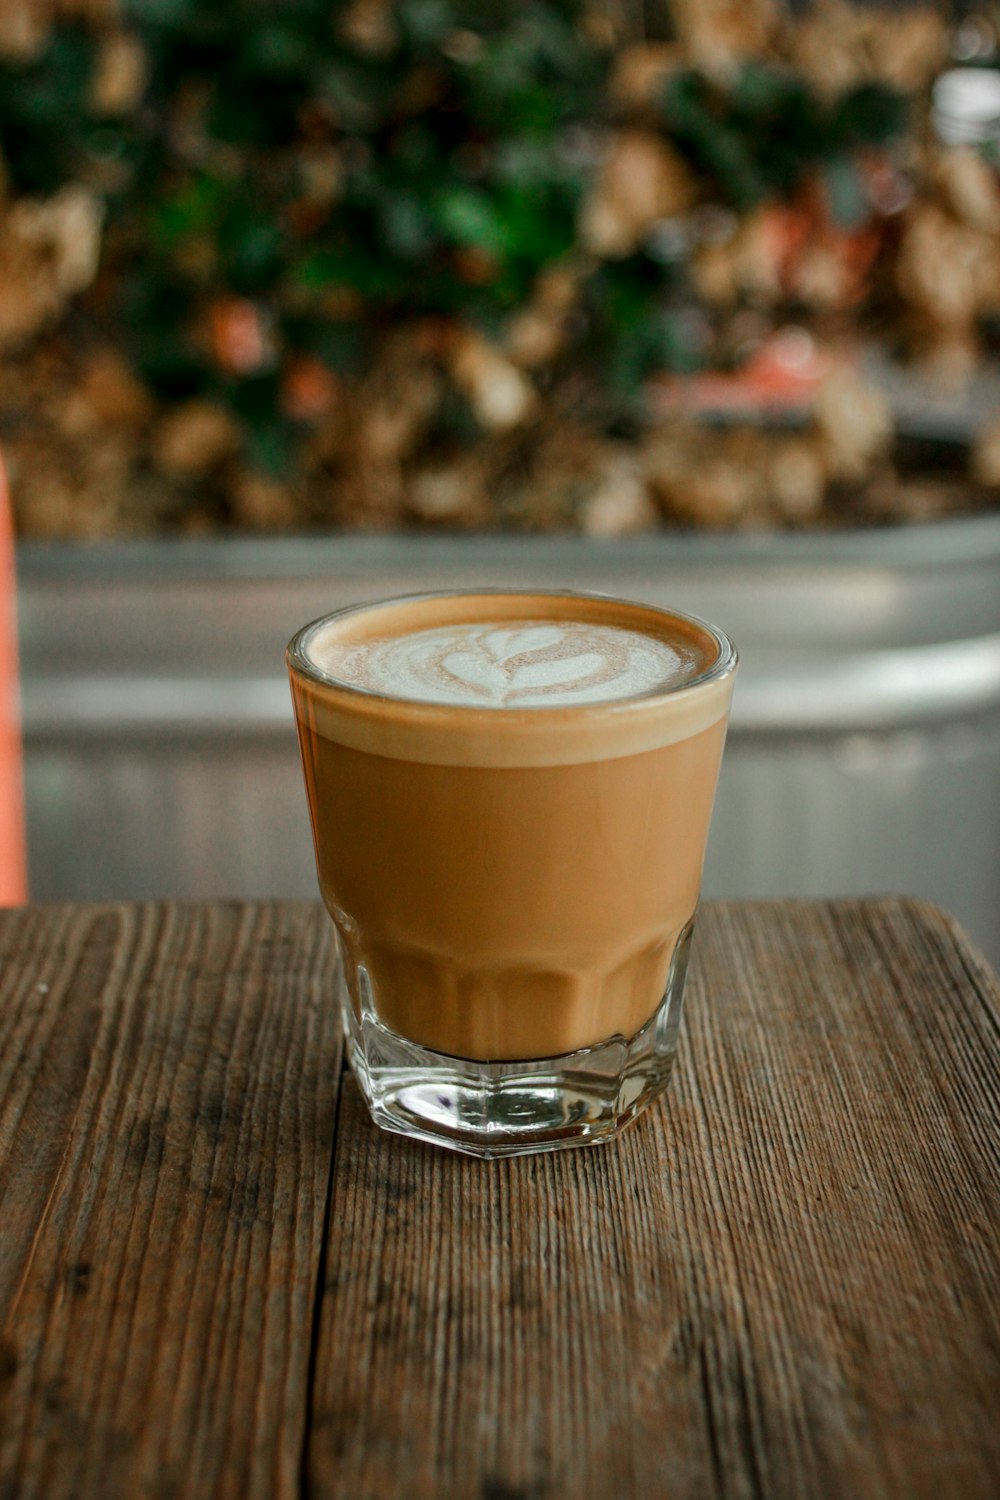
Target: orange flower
240 338
309 389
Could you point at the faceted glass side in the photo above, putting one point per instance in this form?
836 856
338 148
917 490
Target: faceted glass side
494 1109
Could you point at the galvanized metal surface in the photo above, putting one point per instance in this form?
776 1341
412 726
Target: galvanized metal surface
864 752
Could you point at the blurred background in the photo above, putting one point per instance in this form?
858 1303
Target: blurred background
695 301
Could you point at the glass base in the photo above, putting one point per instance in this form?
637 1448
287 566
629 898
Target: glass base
493 1109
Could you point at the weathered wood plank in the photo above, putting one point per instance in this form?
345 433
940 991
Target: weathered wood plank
168 1087
782 1282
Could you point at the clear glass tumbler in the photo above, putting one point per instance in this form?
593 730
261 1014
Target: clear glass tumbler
510 798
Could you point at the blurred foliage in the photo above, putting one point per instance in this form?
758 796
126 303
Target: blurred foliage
452 188
758 138
296 180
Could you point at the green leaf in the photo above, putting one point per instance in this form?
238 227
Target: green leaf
343 346
160 12
357 96
271 446
846 193
276 49
251 251
426 22
870 115
408 226
194 208
468 217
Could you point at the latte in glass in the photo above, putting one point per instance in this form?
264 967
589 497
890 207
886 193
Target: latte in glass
510 797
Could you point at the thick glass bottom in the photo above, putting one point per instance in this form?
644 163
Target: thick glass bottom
493 1109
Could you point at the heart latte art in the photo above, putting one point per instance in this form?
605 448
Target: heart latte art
510 664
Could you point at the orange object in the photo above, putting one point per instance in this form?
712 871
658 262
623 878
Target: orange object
783 375
13 860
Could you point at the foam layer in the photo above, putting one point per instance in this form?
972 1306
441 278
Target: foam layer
509 664
509 679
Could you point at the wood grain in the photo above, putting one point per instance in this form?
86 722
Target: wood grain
782 1282
217 1279
168 1088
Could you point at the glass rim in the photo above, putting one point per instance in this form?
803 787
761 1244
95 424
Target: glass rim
725 664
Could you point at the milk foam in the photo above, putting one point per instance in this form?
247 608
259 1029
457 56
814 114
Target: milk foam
511 663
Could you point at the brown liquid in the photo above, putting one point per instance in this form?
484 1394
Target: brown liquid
514 911
510 884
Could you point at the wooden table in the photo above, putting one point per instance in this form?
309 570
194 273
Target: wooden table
217 1278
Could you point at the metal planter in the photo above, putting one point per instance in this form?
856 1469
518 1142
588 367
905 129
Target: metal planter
864 752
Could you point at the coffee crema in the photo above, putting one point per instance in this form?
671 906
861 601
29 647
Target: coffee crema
513 664
562 678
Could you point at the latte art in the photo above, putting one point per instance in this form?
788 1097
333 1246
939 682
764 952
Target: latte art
510 663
